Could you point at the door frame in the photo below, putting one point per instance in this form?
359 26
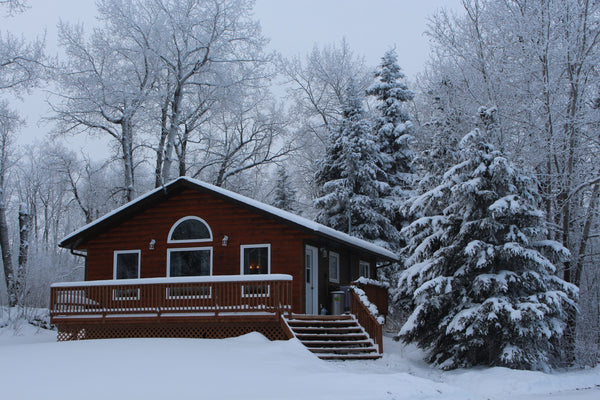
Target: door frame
311 292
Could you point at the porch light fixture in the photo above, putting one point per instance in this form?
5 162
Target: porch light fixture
224 241
152 244
323 252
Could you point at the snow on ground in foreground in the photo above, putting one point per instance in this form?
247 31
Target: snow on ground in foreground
34 366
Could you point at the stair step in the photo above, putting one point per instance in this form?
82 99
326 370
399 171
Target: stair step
343 343
311 323
302 317
345 357
346 350
331 336
323 329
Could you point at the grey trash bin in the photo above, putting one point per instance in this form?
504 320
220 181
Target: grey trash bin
337 303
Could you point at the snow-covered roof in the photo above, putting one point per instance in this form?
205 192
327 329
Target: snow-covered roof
79 235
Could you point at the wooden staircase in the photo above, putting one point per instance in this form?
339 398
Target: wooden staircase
333 337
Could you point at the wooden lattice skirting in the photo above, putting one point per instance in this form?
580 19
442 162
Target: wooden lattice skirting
216 330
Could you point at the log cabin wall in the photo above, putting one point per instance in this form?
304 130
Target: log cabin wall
349 270
241 225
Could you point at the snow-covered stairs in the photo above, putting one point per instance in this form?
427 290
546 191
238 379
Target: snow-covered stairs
333 337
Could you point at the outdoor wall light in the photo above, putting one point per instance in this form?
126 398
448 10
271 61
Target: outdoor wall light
152 244
225 239
324 252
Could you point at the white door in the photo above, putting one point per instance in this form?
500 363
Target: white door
311 282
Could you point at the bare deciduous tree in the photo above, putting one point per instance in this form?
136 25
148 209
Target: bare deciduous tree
9 123
106 82
317 86
246 133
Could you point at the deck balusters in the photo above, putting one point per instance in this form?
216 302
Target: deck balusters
146 297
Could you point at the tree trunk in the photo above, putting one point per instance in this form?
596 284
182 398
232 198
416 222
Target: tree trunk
9 275
585 235
182 154
160 151
127 148
24 228
172 135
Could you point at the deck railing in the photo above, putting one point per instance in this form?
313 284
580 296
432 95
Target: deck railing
366 320
377 294
198 296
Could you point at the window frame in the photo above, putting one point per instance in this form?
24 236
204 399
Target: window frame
368 269
115 255
333 254
243 247
255 246
180 249
179 221
168 294
115 294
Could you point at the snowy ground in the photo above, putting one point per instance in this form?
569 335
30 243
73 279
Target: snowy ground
34 366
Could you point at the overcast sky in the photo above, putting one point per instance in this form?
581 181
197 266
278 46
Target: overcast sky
293 26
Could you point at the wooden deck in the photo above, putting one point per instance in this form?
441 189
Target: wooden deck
208 307
216 306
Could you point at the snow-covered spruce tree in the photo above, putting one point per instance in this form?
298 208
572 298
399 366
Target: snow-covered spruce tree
348 178
482 285
439 137
393 131
284 196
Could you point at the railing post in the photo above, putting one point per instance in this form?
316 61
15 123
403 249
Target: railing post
288 285
217 292
276 300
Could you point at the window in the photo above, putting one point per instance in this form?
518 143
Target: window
364 269
126 266
195 261
190 261
334 267
190 229
255 260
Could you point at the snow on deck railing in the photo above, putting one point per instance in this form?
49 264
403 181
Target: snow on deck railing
370 306
182 295
186 279
366 281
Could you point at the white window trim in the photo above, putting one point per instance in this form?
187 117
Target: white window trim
368 265
180 220
117 252
337 256
254 246
115 296
169 251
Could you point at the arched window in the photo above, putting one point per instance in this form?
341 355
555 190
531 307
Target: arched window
190 229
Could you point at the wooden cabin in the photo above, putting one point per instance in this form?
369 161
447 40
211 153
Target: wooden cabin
194 260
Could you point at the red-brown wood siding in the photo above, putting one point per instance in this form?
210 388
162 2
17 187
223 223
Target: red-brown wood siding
224 218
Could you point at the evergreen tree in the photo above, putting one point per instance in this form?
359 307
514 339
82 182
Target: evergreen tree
483 288
393 131
285 194
439 138
348 178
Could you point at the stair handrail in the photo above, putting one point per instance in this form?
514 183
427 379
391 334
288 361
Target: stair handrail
366 319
